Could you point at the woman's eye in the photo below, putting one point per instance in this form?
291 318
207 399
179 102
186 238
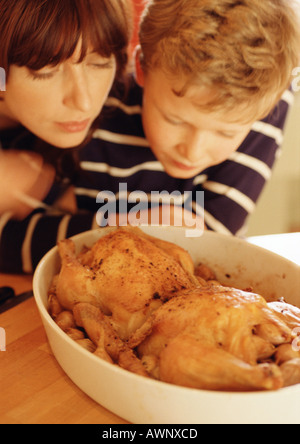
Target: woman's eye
103 65
41 75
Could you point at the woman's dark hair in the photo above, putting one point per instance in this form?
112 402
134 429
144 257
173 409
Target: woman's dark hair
37 33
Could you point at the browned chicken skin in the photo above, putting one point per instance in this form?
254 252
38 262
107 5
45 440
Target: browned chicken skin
213 338
144 306
125 274
286 312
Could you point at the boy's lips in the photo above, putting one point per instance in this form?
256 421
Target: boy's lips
183 166
74 127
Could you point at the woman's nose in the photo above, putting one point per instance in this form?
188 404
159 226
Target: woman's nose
77 94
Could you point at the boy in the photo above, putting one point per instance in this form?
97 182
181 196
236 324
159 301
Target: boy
212 101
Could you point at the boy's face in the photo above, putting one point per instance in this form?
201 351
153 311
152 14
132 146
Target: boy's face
184 138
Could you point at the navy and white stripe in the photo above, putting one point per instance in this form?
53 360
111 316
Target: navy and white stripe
120 154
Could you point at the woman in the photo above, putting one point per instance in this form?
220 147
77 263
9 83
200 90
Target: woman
60 58
118 165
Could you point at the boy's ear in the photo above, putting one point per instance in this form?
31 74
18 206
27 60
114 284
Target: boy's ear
139 73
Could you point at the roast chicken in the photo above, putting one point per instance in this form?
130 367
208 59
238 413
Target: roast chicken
214 338
144 306
126 274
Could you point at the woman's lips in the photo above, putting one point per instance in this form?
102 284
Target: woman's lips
74 127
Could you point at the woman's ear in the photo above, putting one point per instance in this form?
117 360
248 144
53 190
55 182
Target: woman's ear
139 73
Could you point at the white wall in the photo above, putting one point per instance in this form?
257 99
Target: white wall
278 209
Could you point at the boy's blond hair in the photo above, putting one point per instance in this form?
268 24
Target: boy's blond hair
245 50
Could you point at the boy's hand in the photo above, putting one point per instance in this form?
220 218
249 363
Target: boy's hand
24 181
166 215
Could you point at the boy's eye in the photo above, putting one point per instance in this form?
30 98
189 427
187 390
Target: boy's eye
226 135
172 121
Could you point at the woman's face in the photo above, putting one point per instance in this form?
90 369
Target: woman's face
59 103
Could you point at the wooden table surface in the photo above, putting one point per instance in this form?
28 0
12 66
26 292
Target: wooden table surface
33 387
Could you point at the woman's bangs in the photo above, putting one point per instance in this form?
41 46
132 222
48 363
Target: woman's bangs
46 38
51 52
48 32
104 30
52 37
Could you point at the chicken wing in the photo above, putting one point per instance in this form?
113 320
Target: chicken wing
288 313
107 344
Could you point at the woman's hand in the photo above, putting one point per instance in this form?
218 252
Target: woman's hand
25 180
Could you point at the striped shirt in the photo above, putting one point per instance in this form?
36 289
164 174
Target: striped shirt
118 169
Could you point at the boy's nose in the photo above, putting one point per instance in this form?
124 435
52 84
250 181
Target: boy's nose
193 147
